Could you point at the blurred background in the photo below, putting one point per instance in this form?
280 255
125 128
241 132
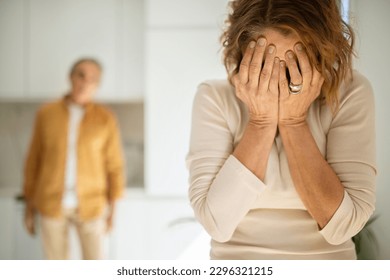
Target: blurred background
154 54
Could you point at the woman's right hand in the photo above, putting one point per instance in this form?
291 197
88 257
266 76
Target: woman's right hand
257 83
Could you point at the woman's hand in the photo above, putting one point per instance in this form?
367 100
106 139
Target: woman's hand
257 84
293 107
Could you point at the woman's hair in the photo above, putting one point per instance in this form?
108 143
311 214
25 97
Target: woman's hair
85 59
327 38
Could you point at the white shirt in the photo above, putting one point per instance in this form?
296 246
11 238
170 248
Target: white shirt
69 199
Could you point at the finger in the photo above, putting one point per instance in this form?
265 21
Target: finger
273 84
32 229
317 78
245 62
304 63
257 61
108 226
317 81
293 70
236 80
30 226
283 82
266 71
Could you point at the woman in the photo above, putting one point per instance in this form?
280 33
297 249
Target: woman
282 155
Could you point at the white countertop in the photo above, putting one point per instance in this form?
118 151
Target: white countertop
9 192
133 192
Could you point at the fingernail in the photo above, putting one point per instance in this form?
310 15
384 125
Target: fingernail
290 54
299 47
271 49
277 60
261 42
252 44
282 64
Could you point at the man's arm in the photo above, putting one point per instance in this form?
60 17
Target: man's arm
31 170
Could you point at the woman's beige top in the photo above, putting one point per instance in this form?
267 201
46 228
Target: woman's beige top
248 218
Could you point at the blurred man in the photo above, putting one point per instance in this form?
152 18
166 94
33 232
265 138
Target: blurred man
74 168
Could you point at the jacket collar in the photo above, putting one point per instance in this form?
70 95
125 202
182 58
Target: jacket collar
66 100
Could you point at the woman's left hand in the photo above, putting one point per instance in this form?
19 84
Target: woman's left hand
293 107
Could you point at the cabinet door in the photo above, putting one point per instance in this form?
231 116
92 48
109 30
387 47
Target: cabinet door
27 247
129 239
131 74
172 228
186 13
63 31
152 228
7 228
11 49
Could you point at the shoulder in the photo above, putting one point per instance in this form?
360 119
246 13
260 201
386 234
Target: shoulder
216 88
356 91
219 93
50 108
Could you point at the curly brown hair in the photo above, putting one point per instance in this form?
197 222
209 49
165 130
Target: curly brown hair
328 39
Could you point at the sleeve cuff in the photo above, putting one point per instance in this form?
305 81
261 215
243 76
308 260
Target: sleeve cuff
237 181
231 196
333 232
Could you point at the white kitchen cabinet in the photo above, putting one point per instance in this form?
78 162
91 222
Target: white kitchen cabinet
41 39
26 247
12 50
6 230
172 228
131 71
152 227
186 13
15 242
128 239
177 61
62 31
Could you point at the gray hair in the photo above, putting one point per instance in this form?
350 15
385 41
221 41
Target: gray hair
85 59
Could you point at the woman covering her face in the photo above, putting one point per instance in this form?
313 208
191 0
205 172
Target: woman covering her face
282 152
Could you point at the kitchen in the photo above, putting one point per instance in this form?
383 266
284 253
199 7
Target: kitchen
140 47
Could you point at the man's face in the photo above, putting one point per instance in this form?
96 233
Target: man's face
85 81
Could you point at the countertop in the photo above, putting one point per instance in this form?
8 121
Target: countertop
133 192
9 192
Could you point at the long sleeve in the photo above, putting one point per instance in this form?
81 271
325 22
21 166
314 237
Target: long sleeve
114 161
222 190
32 163
351 154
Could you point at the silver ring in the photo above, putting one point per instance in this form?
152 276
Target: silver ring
295 89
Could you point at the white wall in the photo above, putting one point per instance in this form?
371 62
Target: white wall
182 50
372 22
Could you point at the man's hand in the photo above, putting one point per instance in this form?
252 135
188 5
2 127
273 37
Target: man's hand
29 220
110 216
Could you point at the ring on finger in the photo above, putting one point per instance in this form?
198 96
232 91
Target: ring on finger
295 89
